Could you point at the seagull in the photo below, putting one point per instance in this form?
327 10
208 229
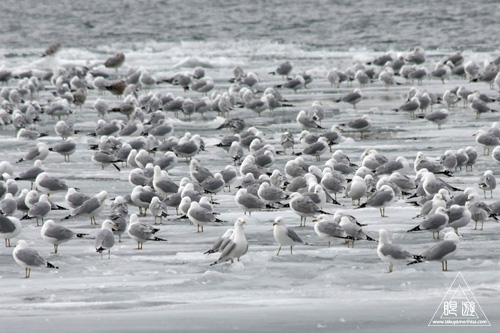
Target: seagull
284 235
8 205
141 232
270 194
103 159
229 175
380 199
438 117
356 189
387 78
306 121
353 230
487 182
352 98
317 148
458 217
221 242
486 140
442 251
105 239
75 199
392 253
90 207
48 184
64 148
430 207
417 57
162 183
28 257
284 69
158 208
200 216
327 229
361 125
52 49
40 152
304 207
203 85
142 196
115 61
433 223
479 210
410 106
40 209
57 234
10 227
248 202
213 185
237 247
235 124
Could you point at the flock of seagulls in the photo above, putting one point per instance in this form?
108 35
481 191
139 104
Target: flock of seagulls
137 137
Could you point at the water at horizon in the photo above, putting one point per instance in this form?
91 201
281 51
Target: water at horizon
335 25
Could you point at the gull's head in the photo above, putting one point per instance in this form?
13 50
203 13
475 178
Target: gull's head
134 219
108 224
240 222
321 218
278 221
441 210
451 236
294 195
344 220
383 237
21 244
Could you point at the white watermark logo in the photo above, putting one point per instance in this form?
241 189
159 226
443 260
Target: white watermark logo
459 307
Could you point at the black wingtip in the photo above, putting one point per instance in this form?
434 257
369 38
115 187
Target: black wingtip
413 196
417 228
418 259
448 173
117 167
49 265
81 235
99 250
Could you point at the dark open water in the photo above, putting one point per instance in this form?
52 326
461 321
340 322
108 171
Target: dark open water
338 25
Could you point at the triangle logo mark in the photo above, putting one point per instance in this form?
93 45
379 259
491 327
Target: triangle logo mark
459 307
